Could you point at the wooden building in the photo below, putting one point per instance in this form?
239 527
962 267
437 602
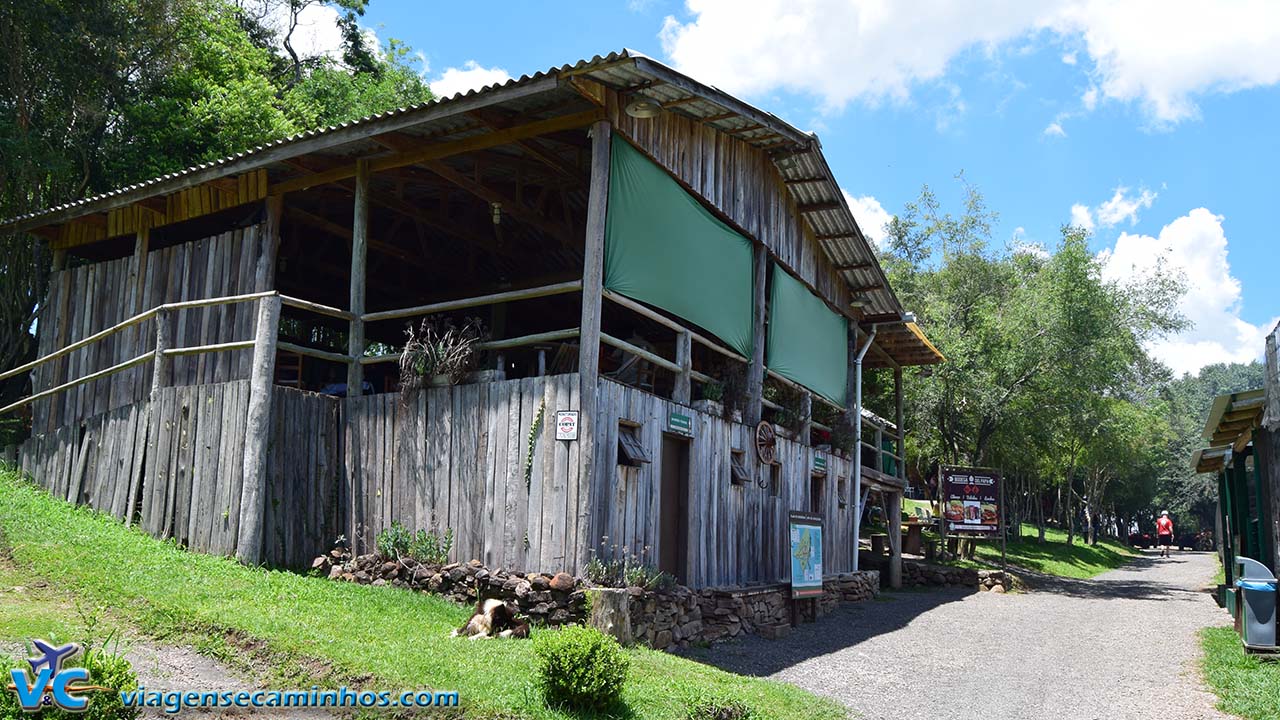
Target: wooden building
636 245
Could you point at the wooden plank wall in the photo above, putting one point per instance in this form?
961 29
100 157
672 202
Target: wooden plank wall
737 532
194 466
91 464
455 458
303 514
86 299
738 179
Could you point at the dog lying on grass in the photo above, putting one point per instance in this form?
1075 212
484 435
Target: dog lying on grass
494 618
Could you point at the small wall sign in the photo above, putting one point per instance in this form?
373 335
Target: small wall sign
820 463
680 423
566 424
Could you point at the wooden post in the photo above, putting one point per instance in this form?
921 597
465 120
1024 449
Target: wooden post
895 539
902 433
359 254
264 273
589 346
806 418
755 368
59 260
684 358
138 268
879 447
162 366
257 442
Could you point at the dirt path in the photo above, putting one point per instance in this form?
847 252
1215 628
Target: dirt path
1121 646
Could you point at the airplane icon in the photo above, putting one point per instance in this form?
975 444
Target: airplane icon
52 657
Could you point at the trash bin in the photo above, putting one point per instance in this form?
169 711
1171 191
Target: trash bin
1257 589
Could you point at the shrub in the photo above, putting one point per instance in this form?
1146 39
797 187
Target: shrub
580 668
713 708
431 548
394 541
627 570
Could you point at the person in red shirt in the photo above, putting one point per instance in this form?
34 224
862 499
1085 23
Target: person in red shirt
1164 531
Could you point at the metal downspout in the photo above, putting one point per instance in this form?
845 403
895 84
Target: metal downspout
857 442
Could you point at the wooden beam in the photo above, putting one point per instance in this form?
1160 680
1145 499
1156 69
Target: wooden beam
491 299
819 207
359 258
509 206
592 478
264 276
442 150
854 266
684 358
755 368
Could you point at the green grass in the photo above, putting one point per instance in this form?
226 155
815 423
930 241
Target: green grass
1055 556
1245 685
391 639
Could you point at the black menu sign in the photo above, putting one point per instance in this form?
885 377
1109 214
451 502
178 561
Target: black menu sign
971 501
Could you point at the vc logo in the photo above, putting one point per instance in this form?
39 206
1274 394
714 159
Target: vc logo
49 684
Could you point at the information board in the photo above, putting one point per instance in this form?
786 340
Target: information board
971 501
806 554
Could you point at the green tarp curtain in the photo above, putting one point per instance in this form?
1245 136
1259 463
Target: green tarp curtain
808 342
664 248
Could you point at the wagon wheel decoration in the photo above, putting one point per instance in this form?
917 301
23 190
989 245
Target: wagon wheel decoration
766 443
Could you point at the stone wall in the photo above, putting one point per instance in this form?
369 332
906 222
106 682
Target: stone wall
669 620
662 619
919 574
547 599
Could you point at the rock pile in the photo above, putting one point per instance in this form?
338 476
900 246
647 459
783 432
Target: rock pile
666 619
547 599
994 580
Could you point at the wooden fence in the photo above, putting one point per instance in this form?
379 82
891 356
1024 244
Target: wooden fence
459 458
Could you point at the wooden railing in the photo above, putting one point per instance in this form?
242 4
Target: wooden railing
161 356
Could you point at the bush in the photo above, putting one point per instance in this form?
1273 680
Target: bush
394 541
430 548
105 669
397 542
627 570
580 668
709 708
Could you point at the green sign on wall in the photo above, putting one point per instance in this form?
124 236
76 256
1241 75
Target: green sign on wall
680 423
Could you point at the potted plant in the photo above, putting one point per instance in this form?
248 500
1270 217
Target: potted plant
439 353
712 399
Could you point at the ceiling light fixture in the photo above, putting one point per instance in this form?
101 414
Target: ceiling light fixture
643 108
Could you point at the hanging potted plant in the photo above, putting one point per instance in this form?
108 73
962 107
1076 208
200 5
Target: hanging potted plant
439 353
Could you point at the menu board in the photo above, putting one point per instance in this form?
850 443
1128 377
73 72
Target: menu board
971 501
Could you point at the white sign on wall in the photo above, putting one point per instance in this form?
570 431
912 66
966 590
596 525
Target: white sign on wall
566 424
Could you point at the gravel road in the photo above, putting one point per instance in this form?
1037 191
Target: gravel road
1123 645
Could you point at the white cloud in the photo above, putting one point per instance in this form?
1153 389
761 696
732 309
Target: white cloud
1195 245
1069 58
1054 129
471 76
871 216
1161 54
1123 207
1082 217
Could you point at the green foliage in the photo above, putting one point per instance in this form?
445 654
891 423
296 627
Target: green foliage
535 429
713 391
626 569
580 668
393 542
429 547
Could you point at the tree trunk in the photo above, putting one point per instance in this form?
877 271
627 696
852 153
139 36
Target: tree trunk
1039 499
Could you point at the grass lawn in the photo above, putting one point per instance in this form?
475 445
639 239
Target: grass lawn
1245 685
347 633
1055 556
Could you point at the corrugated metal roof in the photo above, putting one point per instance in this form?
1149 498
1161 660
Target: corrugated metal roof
797 156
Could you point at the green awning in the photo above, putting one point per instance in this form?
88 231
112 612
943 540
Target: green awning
664 248
808 342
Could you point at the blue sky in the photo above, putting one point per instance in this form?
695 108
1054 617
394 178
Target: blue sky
1155 121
